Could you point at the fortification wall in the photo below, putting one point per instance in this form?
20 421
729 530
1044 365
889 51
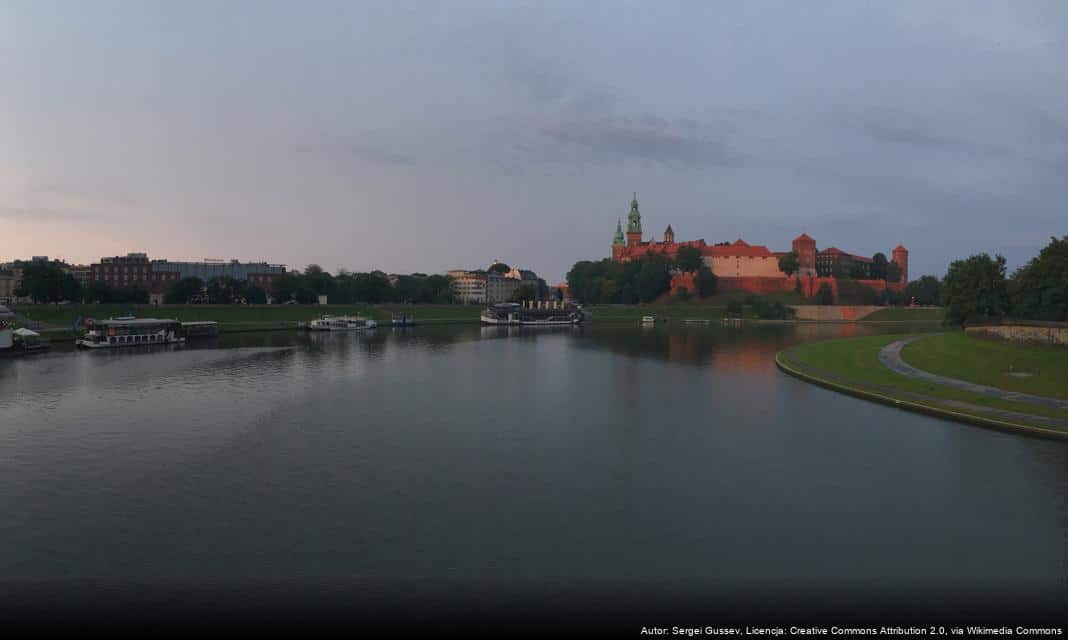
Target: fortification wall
1045 333
827 313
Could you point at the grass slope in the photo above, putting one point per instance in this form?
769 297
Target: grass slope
857 360
989 362
908 314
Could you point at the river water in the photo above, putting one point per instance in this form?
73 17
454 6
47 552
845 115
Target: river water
456 453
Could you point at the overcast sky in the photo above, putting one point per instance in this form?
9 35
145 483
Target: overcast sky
428 136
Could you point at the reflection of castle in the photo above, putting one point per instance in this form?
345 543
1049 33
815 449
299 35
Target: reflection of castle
740 266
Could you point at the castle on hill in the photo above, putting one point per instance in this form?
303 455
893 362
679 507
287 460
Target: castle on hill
740 266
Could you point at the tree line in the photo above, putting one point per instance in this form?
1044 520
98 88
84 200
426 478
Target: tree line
977 287
46 283
643 280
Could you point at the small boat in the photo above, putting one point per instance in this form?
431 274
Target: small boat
648 319
402 320
128 331
341 323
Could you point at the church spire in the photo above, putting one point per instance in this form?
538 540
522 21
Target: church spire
618 238
634 218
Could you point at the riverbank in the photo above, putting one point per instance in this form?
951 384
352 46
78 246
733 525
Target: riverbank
58 320
853 366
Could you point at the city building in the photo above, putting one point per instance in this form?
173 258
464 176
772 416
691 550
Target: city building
833 262
8 284
258 273
489 286
741 266
135 269
468 287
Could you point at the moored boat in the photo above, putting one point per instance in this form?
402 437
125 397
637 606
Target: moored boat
533 313
402 320
129 331
341 323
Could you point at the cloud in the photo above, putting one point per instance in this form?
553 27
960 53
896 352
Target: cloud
680 143
374 152
898 126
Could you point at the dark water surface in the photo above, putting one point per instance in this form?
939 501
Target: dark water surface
436 454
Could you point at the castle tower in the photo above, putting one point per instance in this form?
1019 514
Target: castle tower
805 247
901 258
617 242
669 236
634 224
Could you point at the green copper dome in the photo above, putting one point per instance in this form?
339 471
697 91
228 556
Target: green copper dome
618 239
634 218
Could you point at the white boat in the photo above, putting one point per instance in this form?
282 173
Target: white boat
532 314
129 331
648 319
341 323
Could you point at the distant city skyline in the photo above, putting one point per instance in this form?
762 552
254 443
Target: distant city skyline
410 137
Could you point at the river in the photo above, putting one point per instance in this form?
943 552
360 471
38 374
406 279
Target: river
437 454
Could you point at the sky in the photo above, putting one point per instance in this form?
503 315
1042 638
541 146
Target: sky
427 136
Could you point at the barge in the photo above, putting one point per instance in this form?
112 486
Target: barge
341 323
129 331
533 313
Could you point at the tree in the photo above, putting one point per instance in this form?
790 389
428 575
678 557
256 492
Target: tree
654 278
879 267
975 286
284 287
735 307
688 259
70 288
524 293
184 290
926 291
857 271
683 294
436 289
305 295
41 283
893 272
373 288
500 267
98 291
254 294
706 282
789 264
1040 288
825 295
224 290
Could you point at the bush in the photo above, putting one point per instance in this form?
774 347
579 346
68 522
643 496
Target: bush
683 294
734 307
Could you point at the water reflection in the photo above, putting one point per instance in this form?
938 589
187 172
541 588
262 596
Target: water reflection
438 451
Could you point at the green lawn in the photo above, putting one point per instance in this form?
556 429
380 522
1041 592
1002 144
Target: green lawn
908 314
857 360
990 362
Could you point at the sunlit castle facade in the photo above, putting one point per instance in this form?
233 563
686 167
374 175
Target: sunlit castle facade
747 267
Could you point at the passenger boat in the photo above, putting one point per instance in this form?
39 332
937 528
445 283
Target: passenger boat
533 313
129 331
341 323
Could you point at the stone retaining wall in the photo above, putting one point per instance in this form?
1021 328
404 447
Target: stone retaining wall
1041 334
828 313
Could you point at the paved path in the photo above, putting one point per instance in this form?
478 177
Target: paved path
890 356
896 392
